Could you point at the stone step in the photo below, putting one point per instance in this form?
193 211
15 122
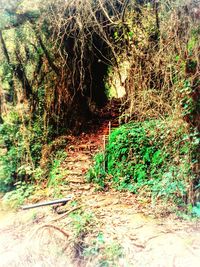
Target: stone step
76 180
72 159
76 187
74 173
85 153
81 187
76 163
76 166
83 148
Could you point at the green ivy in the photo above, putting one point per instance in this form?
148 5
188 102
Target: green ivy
155 155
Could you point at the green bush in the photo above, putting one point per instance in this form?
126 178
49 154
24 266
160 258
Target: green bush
12 143
17 197
56 172
196 210
20 149
152 156
97 173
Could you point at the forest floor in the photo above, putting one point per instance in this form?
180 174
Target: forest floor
103 229
108 228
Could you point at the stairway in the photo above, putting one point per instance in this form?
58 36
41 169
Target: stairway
81 150
80 153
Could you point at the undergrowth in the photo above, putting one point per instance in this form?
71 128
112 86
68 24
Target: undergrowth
91 246
16 160
154 158
16 198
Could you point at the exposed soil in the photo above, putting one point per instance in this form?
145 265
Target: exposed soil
131 234
31 238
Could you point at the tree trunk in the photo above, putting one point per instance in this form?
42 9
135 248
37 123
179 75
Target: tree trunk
7 57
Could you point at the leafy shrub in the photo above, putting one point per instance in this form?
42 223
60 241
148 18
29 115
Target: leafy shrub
20 148
80 221
196 210
16 197
56 172
97 173
152 156
12 143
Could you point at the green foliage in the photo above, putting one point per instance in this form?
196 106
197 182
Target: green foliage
108 253
12 141
191 213
97 173
56 173
113 251
80 221
153 155
22 146
188 104
37 139
6 75
196 210
17 197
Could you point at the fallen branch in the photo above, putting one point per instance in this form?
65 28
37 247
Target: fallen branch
54 227
67 213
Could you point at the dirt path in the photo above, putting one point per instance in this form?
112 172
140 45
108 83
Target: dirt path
35 238
98 228
146 241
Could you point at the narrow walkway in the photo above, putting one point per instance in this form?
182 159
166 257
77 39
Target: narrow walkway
82 149
80 157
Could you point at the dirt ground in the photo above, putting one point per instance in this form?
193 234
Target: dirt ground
40 237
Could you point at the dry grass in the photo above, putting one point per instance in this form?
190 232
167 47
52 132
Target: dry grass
159 60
